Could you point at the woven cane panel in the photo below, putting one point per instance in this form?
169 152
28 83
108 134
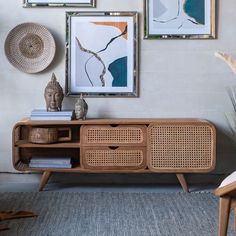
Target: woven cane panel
114 135
113 159
30 47
181 147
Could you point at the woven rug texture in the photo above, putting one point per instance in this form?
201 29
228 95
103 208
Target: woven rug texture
113 214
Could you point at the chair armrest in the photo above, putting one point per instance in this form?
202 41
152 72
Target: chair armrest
225 190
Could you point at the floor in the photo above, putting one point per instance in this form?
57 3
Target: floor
11 182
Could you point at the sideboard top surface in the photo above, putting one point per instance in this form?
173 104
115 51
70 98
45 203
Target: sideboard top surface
28 121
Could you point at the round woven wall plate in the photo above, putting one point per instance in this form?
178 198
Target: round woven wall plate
30 47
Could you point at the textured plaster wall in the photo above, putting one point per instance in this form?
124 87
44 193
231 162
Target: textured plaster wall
178 78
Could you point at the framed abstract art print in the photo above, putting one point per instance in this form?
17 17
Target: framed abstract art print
190 19
102 53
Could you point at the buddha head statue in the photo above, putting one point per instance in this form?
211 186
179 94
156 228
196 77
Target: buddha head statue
81 108
53 95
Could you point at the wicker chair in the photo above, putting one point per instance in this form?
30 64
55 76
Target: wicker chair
227 194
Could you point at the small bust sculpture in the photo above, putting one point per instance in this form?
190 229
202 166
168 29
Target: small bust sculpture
53 95
81 108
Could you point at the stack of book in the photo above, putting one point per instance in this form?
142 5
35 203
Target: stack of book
40 114
50 162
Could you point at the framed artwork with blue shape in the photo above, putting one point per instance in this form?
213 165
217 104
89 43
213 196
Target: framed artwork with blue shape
102 57
189 19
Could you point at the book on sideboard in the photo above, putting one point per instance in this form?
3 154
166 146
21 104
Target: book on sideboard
41 114
50 162
47 165
53 118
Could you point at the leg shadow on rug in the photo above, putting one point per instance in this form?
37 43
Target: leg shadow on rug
10 215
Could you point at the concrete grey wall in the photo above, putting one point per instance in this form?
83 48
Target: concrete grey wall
178 78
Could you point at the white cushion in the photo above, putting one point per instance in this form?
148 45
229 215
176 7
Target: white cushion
229 180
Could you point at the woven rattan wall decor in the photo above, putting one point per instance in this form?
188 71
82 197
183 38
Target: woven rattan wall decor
30 47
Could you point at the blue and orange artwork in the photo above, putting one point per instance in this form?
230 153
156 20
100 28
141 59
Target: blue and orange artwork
102 54
118 68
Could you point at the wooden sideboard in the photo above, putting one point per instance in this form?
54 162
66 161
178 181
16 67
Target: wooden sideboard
176 146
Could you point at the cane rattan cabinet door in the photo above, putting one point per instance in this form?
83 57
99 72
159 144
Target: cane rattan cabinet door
181 146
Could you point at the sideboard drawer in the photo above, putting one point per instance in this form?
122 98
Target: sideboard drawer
113 158
107 135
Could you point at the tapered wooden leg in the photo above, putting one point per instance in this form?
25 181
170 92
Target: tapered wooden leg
224 215
44 179
235 218
183 182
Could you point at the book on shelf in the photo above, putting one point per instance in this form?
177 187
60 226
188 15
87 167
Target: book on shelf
48 165
50 160
43 115
52 118
43 112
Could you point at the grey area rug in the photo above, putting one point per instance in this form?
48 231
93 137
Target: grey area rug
113 214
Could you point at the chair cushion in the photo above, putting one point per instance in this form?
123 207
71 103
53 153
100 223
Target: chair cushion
228 180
